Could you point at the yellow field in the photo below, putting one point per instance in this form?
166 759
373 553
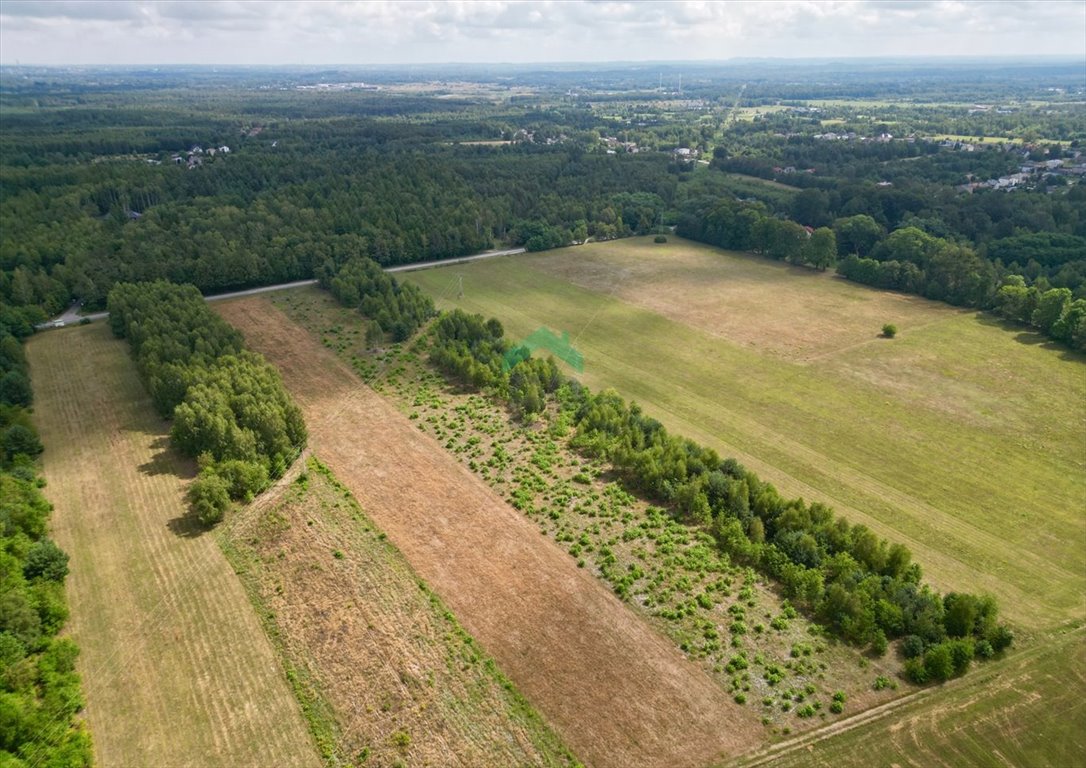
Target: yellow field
176 668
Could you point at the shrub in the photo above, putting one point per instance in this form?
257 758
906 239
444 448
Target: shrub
47 561
209 496
889 330
660 239
912 646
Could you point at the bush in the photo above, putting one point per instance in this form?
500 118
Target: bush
660 239
209 496
46 560
912 646
889 330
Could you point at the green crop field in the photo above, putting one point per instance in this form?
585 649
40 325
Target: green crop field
960 438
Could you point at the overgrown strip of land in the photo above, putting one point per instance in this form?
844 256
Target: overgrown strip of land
176 668
384 669
618 693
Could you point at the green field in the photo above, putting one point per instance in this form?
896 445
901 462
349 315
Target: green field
960 438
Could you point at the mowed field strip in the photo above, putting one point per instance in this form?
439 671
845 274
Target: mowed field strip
956 438
617 693
176 668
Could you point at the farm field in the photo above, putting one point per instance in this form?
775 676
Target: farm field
930 439
662 569
1024 710
176 668
616 692
386 671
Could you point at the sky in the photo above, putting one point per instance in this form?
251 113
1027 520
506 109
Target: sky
338 32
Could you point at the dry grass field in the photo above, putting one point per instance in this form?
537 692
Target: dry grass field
386 671
176 668
616 692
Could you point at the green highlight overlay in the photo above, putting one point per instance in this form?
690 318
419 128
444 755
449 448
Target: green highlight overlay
545 338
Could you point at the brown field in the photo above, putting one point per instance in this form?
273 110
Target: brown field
617 693
176 668
386 669
694 286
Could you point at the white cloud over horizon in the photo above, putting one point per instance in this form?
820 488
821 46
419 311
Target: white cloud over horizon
239 32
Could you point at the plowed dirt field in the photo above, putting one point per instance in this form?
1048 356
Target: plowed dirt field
619 694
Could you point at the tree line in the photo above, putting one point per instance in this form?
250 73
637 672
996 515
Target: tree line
864 589
40 695
1046 268
395 309
229 407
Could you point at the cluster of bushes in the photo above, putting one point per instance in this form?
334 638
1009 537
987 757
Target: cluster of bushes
862 588
865 590
396 309
228 405
474 352
39 688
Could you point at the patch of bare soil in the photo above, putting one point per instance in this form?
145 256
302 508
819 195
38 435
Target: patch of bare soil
618 693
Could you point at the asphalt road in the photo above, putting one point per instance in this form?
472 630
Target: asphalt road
71 315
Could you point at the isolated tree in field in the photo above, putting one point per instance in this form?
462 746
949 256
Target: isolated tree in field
889 330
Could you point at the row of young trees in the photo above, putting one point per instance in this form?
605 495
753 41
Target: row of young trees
475 353
40 695
864 589
395 309
228 405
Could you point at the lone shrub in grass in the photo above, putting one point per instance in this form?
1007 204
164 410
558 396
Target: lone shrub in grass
660 239
889 330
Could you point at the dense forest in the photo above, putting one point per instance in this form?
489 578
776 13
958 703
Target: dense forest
245 187
228 405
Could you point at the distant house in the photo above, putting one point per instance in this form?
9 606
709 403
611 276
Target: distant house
224 149
177 160
195 161
196 150
885 184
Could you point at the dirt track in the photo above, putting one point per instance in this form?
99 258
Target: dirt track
618 693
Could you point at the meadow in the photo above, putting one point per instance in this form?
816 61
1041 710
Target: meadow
176 668
960 438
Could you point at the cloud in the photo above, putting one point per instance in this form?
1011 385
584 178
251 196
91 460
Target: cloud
384 31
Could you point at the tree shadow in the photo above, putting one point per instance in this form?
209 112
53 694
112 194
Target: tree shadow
166 462
187 525
1028 336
